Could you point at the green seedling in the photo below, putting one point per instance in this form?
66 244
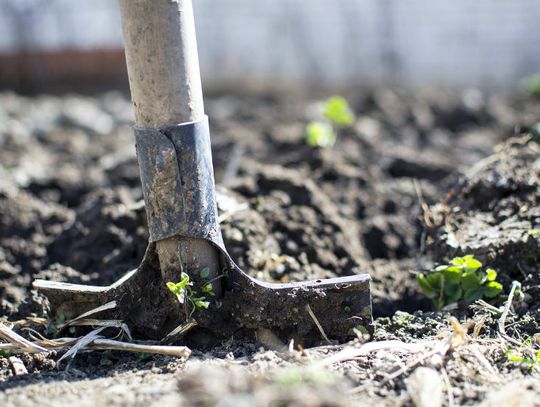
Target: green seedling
462 279
208 289
180 289
184 292
337 111
320 134
205 272
531 358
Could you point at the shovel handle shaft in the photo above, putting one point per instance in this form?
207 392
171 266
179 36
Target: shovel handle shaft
162 61
165 83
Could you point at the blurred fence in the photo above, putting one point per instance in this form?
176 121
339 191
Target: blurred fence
485 43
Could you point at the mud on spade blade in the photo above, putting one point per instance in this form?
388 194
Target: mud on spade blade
178 187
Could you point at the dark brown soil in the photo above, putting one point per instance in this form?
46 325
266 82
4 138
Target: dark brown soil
70 211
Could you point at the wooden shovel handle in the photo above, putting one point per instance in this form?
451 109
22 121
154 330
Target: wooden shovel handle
162 61
165 84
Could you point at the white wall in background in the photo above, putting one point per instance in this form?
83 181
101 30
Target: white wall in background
412 42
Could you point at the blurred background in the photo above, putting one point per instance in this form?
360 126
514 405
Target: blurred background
57 45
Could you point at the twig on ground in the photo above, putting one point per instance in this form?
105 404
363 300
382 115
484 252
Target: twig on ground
478 327
107 344
483 163
504 315
456 339
441 350
448 384
482 305
180 330
522 271
80 344
110 344
106 323
104 307
427 215
391 345
483 361
317 323
18 341
95 342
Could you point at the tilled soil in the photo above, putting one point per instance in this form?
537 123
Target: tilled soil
411 183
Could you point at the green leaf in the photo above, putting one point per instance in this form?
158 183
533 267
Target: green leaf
453 294
472 264
178 289
439 303
200 302
492 289
205 272
470 280
491 275
337 111
208 289
468 262
452 274
185 280
473 294
426 288
459 261
320 134
514 355
435 280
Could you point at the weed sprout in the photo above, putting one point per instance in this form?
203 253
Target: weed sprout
336 113
184 291
462 279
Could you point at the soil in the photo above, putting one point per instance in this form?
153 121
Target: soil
413 182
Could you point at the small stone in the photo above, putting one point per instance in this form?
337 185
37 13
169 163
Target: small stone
17 366
425 387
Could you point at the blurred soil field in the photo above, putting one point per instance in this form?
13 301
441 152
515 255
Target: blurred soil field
419 178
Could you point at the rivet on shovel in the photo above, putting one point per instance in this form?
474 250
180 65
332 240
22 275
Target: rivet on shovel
173 150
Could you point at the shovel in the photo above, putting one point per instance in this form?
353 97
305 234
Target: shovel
214 296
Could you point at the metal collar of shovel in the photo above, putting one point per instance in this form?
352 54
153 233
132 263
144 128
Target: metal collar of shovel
178 187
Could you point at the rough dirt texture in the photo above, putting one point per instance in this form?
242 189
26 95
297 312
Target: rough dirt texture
70 211
495 213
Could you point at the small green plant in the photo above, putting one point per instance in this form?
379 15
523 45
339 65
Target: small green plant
528 357
319 134
336 113
184 291
462 279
